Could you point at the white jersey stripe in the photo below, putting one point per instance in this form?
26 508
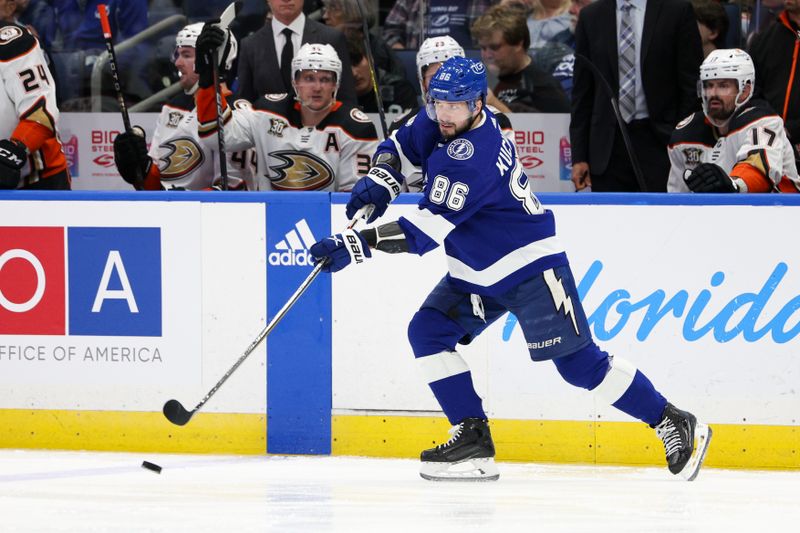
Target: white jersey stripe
434 226
507 265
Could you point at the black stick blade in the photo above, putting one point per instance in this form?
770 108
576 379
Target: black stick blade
176 413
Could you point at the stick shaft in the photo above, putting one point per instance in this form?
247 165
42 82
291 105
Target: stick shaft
101 10
372 72
275 320
223 161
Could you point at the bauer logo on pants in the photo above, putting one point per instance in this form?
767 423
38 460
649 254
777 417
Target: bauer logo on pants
292 250
80 281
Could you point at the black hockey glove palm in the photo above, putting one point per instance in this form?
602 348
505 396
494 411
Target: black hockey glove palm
708 177
13 155
208 42
130 155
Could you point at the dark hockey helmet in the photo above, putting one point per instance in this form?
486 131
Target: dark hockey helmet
459 79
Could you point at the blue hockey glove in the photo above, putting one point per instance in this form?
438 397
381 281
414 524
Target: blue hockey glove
13 155
340 250
708 177
379 187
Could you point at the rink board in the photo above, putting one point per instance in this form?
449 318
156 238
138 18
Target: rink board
703 298
337 375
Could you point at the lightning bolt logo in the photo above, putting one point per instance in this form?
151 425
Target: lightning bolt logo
560 298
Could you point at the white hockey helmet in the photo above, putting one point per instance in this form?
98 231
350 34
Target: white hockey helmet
731 63
436 50
315 56
188 37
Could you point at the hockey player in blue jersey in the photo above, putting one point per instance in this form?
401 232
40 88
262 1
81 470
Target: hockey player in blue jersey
502 255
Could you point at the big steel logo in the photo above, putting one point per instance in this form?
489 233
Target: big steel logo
94 281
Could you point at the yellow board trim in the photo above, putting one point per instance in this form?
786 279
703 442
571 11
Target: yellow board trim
224 433
617 443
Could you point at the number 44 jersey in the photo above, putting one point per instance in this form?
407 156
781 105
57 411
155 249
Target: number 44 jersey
478 204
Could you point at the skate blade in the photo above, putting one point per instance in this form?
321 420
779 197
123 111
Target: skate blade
702 438
469 470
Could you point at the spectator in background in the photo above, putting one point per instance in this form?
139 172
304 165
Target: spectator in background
736 145
397 94
546 18
776 55
563 70
345 16
502 35
31 156
78 23
649 51
712 21
40 18
406 27
265 58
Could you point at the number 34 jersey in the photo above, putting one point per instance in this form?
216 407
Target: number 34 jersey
755 149
478 204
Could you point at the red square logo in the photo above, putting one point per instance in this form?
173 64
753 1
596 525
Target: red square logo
32 281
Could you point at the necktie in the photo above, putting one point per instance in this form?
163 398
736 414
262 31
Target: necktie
286 60
627 63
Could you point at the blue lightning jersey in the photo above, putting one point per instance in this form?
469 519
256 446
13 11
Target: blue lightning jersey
478 204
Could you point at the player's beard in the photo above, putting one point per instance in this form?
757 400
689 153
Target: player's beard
719 114
459 129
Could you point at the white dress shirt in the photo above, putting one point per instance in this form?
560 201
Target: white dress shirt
296 26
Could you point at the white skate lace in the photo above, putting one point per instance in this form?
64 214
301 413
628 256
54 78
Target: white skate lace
669 434
454 432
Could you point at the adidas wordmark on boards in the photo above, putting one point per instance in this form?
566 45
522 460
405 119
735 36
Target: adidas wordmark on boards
293 249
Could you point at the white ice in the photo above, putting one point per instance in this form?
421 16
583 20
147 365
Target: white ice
43 491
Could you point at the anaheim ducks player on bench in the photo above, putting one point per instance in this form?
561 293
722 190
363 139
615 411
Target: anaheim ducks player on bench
735 145
177 159
314 144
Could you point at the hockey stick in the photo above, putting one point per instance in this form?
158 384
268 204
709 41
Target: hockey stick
372 72
178 414
126 121
637 169
224 21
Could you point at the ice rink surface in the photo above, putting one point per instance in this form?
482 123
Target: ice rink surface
85 491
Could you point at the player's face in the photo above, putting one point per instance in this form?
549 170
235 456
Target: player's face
454 118
315 88
497 54
721 97
184 62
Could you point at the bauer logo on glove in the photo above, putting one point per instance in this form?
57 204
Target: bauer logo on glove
338 251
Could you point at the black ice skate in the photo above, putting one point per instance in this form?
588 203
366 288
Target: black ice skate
467 456
685 441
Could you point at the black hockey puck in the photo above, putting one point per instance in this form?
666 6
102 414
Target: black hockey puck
151 466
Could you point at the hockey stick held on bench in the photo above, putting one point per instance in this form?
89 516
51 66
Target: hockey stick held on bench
178 414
